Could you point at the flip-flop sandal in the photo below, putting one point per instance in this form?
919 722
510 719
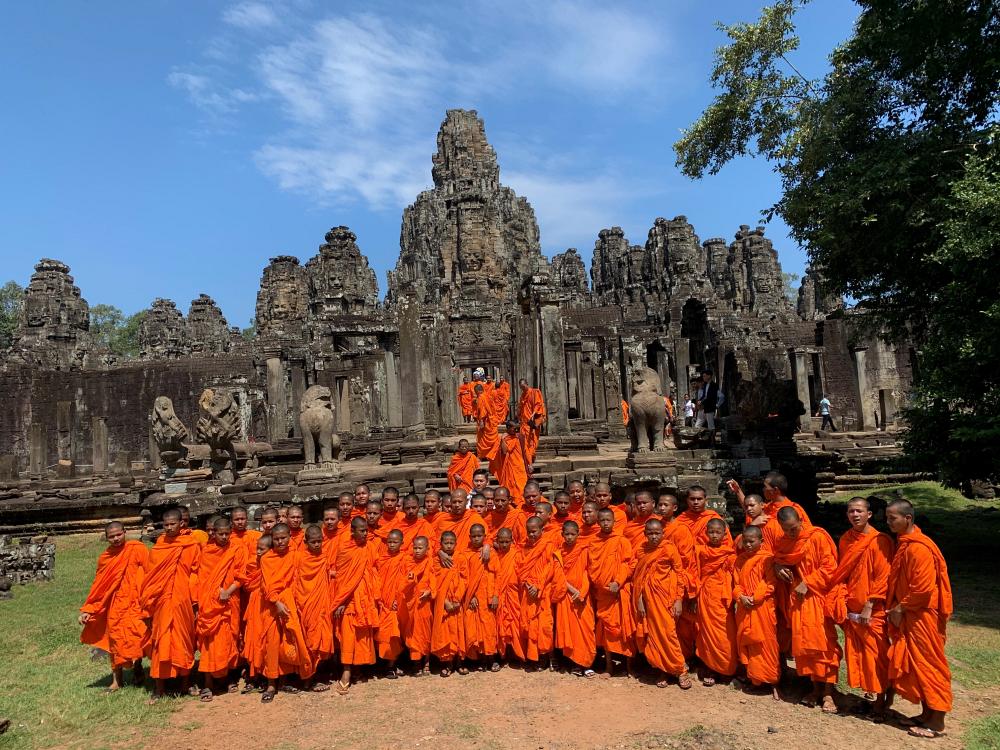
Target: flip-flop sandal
193 691
319 687
109 690
924 733
267 696
710 682
462 671
445 672
391 675
662 684
205 696
829 709
341 688
290 689
233 689
589 674
684 682
495 667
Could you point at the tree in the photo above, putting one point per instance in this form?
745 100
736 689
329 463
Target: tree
11 301
250 332
125 342
888 168
791 291
110 328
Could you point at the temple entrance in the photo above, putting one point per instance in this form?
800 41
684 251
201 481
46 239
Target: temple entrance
658 359
694 328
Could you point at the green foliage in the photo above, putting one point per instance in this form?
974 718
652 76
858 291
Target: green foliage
11 301
889 173
983 734
250 332
126 341
788 287
110 328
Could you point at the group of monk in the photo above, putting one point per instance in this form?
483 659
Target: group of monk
475 581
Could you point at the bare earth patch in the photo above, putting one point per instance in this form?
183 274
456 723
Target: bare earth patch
512 710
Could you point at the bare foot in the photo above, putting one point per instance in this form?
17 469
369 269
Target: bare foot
829 707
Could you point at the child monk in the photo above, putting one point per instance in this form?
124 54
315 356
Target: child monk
463 465
602 496
200 536
477 504
756 619
656 596
268 518
511 467
609 558
331 526
682 538
297 531
479 621
716 640
376 534
589 528
241 534
540 577
447 629
432 509
312 598
354 605
166 599
111 616
574 635
551 531
253 627
284 647
635 527
392 573
505 516
506 603
418 594
560 511
488 493
412 524
221 571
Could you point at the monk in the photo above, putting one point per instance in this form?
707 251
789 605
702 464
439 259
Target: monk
753 507
756 619
312 599
376 534
635 527
805 558
697 516
479 624
541 578
463 465
577 496
589 528
345 513
331 527
857 599
354 604
200 536
297 532
560 510
447 628
500 400
575 623
268 518
241 534
465 399
392 516
412 524
112 616
511 465
362 494
919 603
418 594
551 530
480 480
460 521
609 559
657 598
252 635
716 637
283 514
392 574
284 647
487 438
504 516
488 493
506 602
167 600
531 415
682 538
432 510
477 504
221 572
602 496
532 494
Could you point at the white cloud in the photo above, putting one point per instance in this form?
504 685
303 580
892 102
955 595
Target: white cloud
250 15
205 94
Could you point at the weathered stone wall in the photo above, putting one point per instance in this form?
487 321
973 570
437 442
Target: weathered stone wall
32 560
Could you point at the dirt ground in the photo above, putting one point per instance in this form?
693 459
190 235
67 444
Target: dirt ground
514 710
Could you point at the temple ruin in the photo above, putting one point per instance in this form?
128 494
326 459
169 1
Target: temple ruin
471 288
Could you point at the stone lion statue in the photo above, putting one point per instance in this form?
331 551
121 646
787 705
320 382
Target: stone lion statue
169 432
646 412
320 444
218 427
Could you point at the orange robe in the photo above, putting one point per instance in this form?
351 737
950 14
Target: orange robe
388 523
392 574
657 578
537 565
531 414
479 624
419 612
587 533
199 536
167 598
862 575
508 614
411 531
771 509
919 583
283 643
500 401
312 598
635 531
625 413
514 519
716 640
487 437
461 470
448 628
357 589
296 538
116 623
609 559
253 625
248 539
218 623
757 626
459 526
687 625
511 471
621 519
813 636
575 623
465 394
698 522
552 533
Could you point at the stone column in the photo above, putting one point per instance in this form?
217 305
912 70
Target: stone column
298 390
277 400
682 358
395 409
37 450
573 381
800 372
861 383
411 394
154 451
554 370
99 438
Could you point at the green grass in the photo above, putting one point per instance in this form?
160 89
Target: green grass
50 688
984 734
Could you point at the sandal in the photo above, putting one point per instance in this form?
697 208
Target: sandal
342 688
495 667
391 675
710 682
829 708
684 682
924 732
319 687
205 696
267 696
662 684
290 689
233 689
445 672
462 671
589 674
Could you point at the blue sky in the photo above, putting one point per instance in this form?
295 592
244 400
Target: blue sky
165 149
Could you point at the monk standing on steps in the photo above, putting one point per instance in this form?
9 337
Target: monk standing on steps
919 604
463 465
111 616
166 599
512 464
465 399
857 595
532 415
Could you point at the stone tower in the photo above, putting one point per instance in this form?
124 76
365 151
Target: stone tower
53 329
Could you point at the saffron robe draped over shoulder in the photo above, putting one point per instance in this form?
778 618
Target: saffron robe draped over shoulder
461 469
116 624
537 565
460 526
511 471
609 560
357 590
687 625
514 519
448 628
218 622
919 584
412 529
575 623
508 614
167 598
253 626
487 437
698 522
465 399
479 624
657 581
716 638
635 531
419 612
757 626
312 598
284 646
531 414
392 574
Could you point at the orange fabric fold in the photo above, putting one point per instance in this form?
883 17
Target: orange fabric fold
168 599
657 581
461 469
218 623
116 624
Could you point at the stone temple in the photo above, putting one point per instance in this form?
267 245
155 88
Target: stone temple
470 288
